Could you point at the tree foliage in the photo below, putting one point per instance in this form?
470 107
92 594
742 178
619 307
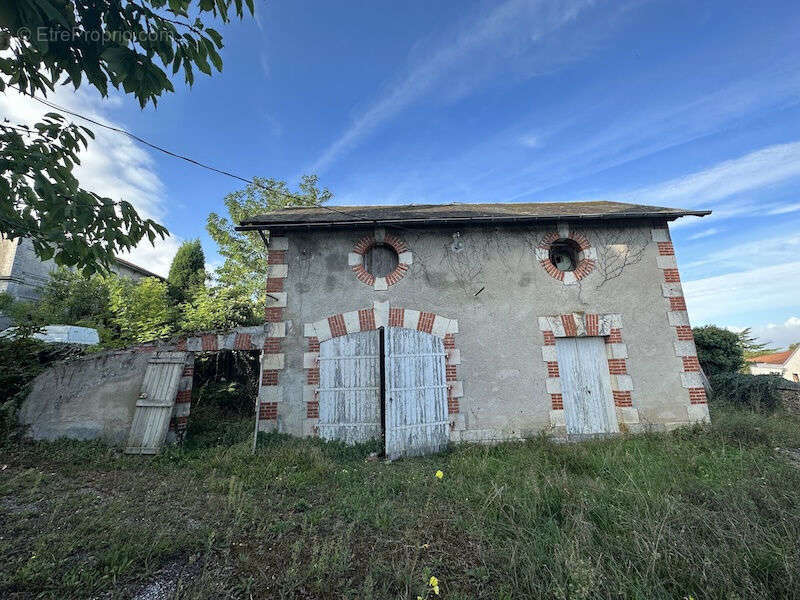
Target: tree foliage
132 46
218 308
187 274
244 252
718 350
68 298
750 344
126 312
141 310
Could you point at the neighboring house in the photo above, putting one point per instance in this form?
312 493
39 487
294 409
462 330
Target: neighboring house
22 273
786 364
423 324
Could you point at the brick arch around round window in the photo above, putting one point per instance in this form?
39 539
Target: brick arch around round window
587 256
369 319
356 259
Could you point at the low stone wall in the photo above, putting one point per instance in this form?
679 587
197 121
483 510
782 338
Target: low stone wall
95 396
790 397
87 398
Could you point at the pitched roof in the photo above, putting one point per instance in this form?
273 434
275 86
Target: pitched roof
496 214
141 270
778 358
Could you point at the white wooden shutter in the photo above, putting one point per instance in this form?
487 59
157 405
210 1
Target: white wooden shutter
586 385
154 406
416 393
349 388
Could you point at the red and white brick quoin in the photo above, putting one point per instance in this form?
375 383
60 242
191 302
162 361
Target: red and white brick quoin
272 359
587 256
580 325
355 259
369 319
678 318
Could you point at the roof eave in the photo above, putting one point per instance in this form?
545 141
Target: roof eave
252 225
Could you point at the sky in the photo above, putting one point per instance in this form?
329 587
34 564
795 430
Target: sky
675 103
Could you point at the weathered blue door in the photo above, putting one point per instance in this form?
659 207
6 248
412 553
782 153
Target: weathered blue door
416 393
586 386
349 388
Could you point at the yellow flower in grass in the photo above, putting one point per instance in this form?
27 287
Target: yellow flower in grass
434 583
439 474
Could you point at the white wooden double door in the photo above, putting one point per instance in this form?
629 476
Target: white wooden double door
385 384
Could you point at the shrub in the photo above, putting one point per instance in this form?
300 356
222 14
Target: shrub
756 392
718 350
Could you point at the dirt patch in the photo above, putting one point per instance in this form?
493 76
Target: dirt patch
13 506
163 586
791 454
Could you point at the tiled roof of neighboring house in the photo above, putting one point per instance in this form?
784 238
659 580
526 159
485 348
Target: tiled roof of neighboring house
778 358
138 269
495 214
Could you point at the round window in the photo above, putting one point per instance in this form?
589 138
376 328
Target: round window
380 260
564 254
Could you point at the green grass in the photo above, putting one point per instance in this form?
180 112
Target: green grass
704 512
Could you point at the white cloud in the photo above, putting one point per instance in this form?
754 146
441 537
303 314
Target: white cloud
605 133
786 208
156 258
530 141
759 253
113 165
704 234
777 335
514 32
756 170
727 297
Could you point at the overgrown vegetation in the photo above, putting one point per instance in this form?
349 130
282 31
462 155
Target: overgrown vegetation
225 385
756 392
704 512
127 312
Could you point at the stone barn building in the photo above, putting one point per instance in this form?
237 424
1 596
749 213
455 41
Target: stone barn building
424 324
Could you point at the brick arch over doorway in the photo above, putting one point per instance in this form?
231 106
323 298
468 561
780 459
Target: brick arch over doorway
609 327
368 319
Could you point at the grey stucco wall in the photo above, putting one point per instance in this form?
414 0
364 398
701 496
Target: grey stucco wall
497 290
87 398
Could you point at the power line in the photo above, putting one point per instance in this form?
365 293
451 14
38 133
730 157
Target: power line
188 159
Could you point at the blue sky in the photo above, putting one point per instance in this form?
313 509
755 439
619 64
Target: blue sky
690 104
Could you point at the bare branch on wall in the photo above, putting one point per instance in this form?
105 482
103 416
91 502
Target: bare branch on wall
618 248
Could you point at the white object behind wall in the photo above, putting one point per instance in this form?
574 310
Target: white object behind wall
63 334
